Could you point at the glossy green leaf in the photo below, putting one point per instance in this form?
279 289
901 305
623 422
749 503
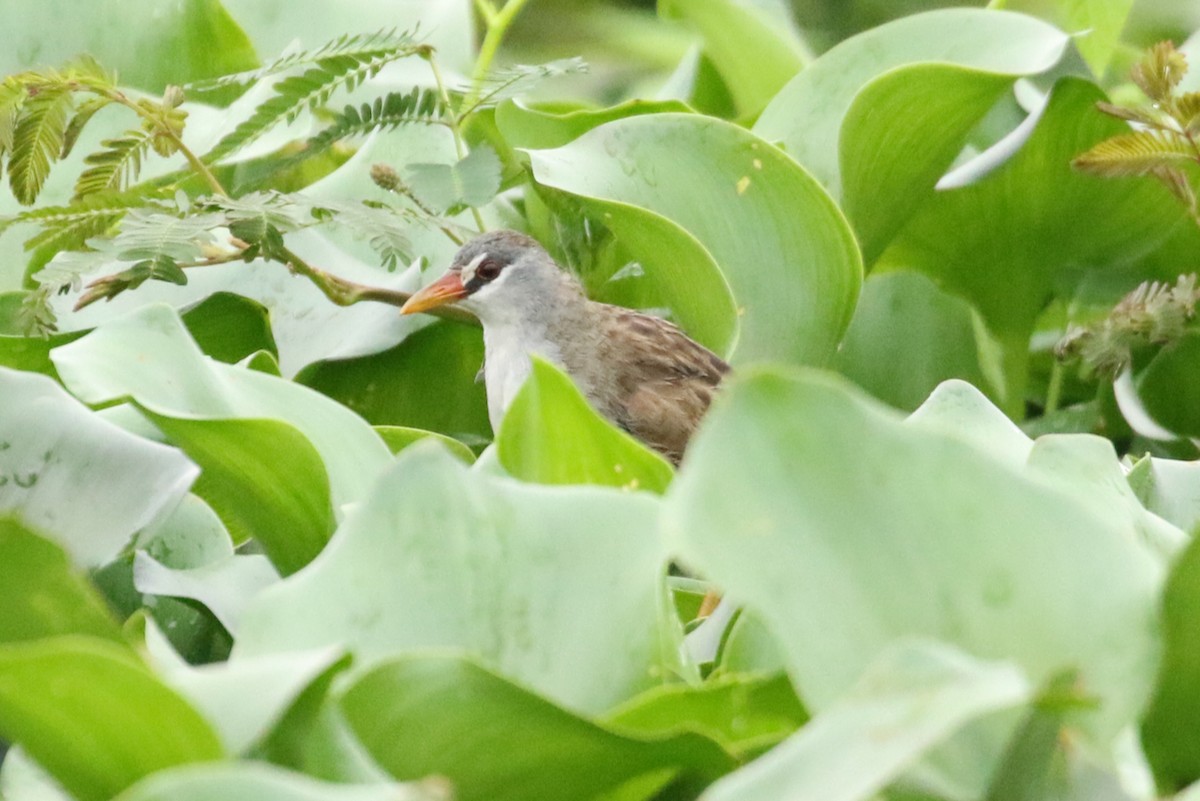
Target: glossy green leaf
224 587
558 588
95 743
263 782
745 714
1172 491
807 115
782 244
537 127
148 356
41 595
835 545
441 715
263 478
397 438
901 132
1169 386
230 327
243 699
1169 739
754 53
48 447
164 42
907 336
552 435
1096 23
427 381
909 699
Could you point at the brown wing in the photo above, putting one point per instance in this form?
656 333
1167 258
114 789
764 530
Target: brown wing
664 381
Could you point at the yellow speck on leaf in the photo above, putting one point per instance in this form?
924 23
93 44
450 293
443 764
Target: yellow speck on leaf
757 164
743 184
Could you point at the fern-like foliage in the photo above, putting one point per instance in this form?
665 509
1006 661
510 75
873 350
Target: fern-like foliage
362 47
37 141
422 106
69 227
1167 144
1152 314
313 88
116 166
502 84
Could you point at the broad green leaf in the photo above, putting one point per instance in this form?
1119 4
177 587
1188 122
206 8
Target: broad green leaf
397 438
1172 491
913 696
1169 739
52 480
1169 386
224 587
782 244
96 743
558 588
450 717
1031 767
427 381
263 782
745 714
1022 230
472 181
754 53
1096 23
191 536
41 595
907 336
264 479
552 435
163 42
539 127
230 327
243 699
148 356
807 114
901 132
750 647
21 779
834 546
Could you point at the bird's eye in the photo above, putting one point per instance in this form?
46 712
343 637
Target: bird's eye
488 270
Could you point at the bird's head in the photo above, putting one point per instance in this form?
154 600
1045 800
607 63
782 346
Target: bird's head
496 275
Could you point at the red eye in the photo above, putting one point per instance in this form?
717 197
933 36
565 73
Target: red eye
488 270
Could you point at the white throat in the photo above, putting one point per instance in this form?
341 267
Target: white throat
508 345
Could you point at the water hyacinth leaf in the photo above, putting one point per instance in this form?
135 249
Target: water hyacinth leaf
833 537
264 479
41 595
264 782
558 588
1023 229
806 117
1169 386
755 53
148 356
900 134
552 435
913 696
397 438
451 717
427 382
224 587
535 127
246 699
907 336
747 203
96 744
1098 22
230 327
48 447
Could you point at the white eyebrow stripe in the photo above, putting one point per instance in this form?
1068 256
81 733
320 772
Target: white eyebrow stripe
468 271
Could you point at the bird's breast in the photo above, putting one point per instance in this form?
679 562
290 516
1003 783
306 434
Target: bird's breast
506 364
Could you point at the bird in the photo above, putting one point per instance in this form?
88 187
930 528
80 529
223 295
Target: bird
639 371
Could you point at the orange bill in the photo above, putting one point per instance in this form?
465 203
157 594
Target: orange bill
446 289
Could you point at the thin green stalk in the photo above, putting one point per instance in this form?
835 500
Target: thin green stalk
1054 391
460 146
497 24
1015 361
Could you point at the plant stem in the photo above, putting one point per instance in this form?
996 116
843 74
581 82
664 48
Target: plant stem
346 293
1054 391
460 146
497 26
199 166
